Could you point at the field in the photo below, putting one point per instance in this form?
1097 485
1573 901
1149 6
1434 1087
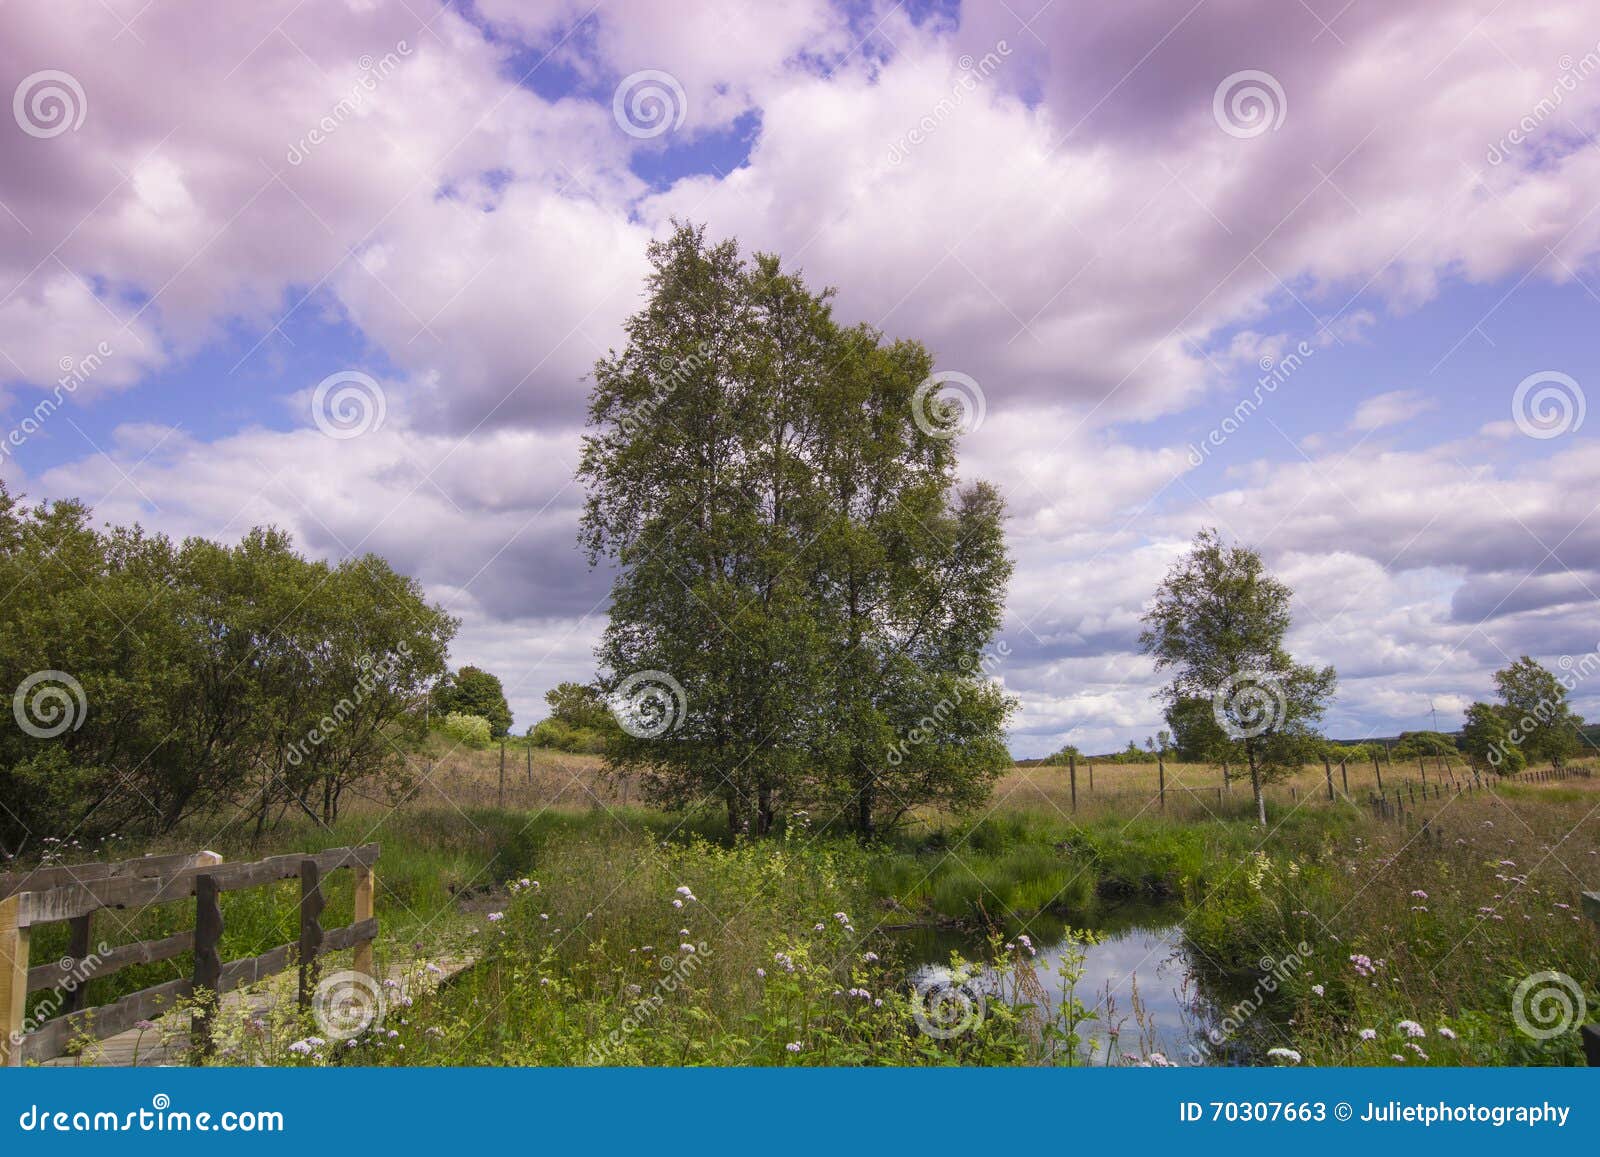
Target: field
609 933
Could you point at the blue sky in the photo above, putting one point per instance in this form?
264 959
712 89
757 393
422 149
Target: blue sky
1057 199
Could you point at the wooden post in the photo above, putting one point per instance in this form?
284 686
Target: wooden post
1344 775
1161 770
530 763
13 981
366 885
1072 772
501 801
1327 771
1422 767
1091 777
78 947
311 905
1377 770
207 961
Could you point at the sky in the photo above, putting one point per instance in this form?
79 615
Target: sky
1324 275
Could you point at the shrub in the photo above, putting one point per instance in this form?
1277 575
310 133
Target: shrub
473 730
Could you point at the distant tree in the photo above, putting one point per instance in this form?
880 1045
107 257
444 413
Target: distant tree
1196 734
1411 744
580 720
473 691
1062 757
1218 623
1486 741
1540 720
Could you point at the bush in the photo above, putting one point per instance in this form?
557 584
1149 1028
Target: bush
561 736
473 730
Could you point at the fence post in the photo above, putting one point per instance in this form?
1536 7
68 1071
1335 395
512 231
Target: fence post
366 884
207 962
1161 771
13 981
1377 769
1091 776
1072 772
1422 767
78 947
501 799
1327 771
1344 776
530 763
311 905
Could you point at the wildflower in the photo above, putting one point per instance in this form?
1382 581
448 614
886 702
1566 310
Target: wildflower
819 927
1419 893
391 982
1363 964
1397 1058
1416 1048
1286 1056
1412 1028
1447 1033
435 969
544 915
496 917
633 990
686 947
762 973
433 1030
677 903
392 1033
144 1025
683 932
351 1043
303 1048
793 1046
1318 989
1508 863
872 957
1368 1034
683 890
784 961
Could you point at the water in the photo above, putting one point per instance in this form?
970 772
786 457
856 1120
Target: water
1143 985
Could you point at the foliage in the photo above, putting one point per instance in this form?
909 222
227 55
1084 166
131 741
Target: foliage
1218 623
474 691
1486 741
1411 744
802 584
1541 721
472 730
245 676
580 720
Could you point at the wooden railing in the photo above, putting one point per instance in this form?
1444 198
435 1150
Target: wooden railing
74 893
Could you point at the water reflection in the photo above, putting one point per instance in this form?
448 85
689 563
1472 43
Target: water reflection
1151 1000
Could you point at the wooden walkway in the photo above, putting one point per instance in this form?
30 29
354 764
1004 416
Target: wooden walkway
168 1043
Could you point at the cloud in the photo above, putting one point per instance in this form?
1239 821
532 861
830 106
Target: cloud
1391 409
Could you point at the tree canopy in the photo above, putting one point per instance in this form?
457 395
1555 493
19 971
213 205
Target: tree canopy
805 595
474 691
155 680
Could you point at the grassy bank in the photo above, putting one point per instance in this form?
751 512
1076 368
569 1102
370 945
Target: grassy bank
638 938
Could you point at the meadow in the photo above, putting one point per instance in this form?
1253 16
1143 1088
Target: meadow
604 932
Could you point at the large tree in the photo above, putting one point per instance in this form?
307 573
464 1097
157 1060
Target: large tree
1217 623
1536 710
474 691
804 592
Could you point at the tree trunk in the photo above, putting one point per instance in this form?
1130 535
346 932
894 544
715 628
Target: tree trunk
1255 786
764 809
864 809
